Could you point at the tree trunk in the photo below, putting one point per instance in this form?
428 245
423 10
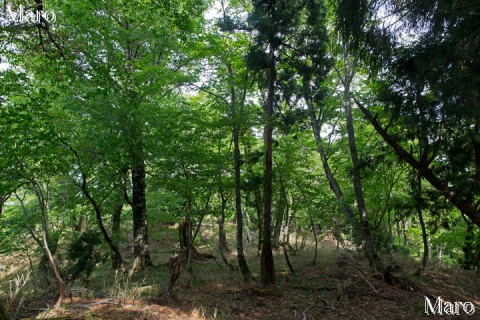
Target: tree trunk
116 223
426 250
82 223
98 215
258 202
390 232
399 229
175 268
247 222
185 233
405 231
2 201
141 250
222 237
466 206
468 248
287 260
288 221
267 265
282 206
477 252
185 237
242 262
422 223
367 241
440 253
314 231
43 214
334 186
285 227
58 278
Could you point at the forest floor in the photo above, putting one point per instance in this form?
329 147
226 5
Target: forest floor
339 286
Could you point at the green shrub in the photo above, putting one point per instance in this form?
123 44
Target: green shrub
82 254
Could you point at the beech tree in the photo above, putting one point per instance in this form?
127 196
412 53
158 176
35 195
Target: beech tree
238 78
31 166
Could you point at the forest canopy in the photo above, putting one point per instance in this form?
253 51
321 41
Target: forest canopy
268 121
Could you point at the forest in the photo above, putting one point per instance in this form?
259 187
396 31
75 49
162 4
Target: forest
239 159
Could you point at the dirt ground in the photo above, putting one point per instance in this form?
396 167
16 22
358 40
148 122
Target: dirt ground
339 286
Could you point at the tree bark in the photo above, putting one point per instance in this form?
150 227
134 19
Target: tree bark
426 250
247 222
278 224
465 206
116 223
280 212
185 233
267 265
288 221
43 216
477 252
222 237
141 250
399 230
390 232
468 247
405 231
334 186
367 241
258 202
242 261
98 215
2 201
314 231
58 278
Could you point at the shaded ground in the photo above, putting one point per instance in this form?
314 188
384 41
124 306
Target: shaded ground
338 287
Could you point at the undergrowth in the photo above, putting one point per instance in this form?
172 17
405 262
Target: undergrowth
212 291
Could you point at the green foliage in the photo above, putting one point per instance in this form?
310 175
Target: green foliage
165 207
82 255
115 82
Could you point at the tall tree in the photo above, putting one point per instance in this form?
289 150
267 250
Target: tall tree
433 75
229 41
266 19
43 205
25 117
349 69
279 25
417 190
310 60
116 82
